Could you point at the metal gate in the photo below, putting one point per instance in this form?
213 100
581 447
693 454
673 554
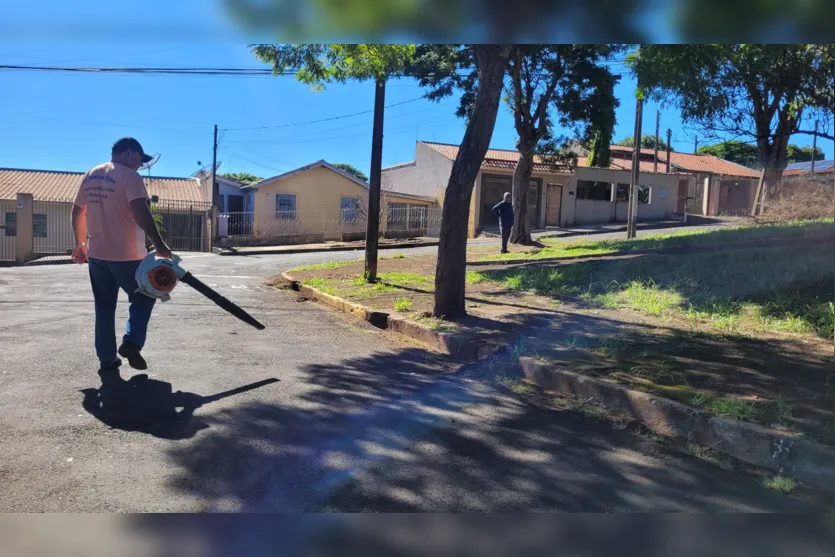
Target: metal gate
8 229
52 227
185 225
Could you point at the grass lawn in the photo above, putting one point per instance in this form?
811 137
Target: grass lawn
739 333
555 248
783 289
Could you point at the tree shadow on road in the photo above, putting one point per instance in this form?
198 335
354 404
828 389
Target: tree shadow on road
151 406
391 431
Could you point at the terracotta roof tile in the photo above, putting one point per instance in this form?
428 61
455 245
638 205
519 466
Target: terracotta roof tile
505 158
62 186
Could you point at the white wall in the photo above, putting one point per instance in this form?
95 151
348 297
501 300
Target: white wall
592 212
428 176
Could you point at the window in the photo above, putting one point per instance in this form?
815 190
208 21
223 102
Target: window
285 206
350 207
10 223
644 194
594 191
39 225
622 193
221 203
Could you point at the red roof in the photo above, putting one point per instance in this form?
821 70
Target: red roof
621 160
62 186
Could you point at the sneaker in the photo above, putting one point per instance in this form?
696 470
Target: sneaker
131 352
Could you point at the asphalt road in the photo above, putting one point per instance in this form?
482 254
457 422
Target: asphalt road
340 416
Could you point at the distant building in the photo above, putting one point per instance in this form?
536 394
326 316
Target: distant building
803 171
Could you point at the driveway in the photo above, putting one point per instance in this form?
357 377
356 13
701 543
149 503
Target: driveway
317 412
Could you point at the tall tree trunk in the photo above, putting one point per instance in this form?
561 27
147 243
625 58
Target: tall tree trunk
452 246
521 233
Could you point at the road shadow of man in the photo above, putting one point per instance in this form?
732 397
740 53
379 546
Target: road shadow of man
150 406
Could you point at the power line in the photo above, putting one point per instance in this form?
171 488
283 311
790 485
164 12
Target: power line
446 105
150 70
236 154
323 119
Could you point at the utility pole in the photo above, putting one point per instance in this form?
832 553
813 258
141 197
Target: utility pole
372 230
669 135
632 207
215 189
696 146
657 124
814 148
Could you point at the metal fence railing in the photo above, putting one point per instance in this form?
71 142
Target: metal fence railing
319 225
8 229
52 227
414 218
185 225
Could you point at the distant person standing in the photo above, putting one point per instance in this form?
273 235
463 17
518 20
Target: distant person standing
504 212
111 207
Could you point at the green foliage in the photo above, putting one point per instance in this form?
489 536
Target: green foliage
647 142
352 170
780 483
745 154
734 150
402 304
244 178
795 153
157 219
762 92
319 64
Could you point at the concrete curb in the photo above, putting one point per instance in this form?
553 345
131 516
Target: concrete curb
806 461
402 245
760 242
460 347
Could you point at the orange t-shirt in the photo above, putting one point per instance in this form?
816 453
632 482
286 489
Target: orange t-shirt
105 195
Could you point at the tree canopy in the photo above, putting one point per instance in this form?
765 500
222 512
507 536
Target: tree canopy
319 64
352 170
647 142
244 178
746 153
761 93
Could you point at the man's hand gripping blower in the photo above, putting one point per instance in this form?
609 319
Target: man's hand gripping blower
157 277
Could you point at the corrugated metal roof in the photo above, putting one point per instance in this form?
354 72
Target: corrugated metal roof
800 168
62 186
506 158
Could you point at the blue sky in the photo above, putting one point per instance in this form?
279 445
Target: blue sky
68 121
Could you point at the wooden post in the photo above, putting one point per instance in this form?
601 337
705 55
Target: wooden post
657 124
669 135
372 231
632 207
758 193
215 187
814 149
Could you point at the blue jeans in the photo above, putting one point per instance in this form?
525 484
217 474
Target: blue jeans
107 277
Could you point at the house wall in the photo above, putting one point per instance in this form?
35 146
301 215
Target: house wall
591 212
545 178
226 190
318 194
428 176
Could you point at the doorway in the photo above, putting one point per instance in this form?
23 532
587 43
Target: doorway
553 205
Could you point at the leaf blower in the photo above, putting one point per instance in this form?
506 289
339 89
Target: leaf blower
157 277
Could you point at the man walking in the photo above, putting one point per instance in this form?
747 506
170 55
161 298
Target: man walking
504 212
111 208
